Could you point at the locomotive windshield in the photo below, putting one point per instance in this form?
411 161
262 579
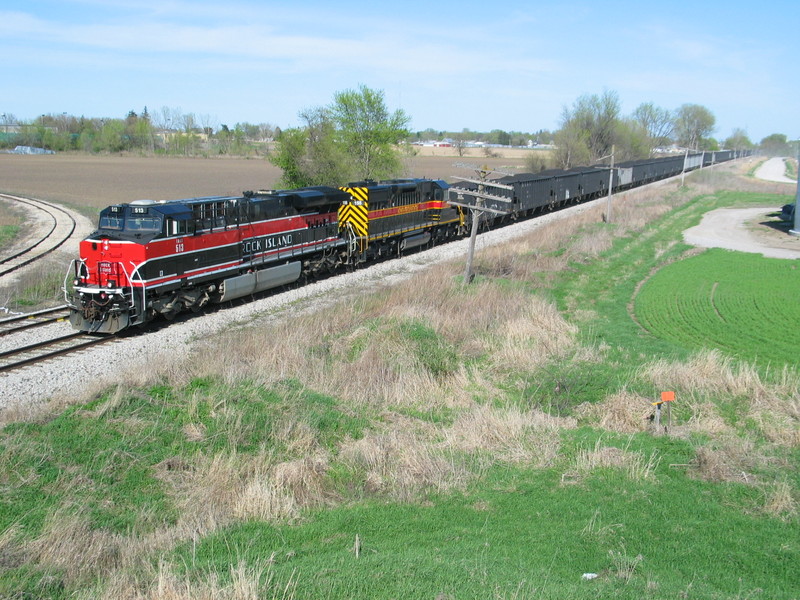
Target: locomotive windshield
114 222
139 224
134 220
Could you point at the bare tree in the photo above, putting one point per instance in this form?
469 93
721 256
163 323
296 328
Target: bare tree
738 140
693 123
168 118
657 122
588 129
460 145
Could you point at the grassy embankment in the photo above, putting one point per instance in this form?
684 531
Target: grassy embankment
791 168
431 441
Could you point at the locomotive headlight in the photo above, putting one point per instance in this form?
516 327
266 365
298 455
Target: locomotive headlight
76 282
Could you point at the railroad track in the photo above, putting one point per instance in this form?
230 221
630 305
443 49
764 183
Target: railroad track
34 319
57 228
58 345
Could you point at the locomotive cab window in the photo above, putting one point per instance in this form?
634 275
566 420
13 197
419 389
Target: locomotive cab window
143 224
112 217
115 222
179 227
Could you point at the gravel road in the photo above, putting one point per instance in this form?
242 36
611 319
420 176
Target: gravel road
774 169
749 229
738 229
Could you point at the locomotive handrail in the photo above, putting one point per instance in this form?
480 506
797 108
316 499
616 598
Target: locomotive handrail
70 268
133 298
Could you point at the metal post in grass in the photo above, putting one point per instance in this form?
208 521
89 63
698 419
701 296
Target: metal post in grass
668 397
796 229
657 416
607 216
476 221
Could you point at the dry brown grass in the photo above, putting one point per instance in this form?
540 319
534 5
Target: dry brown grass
12 548
243 581
779 501
9 217
509 434
402 465
728 459
70 545
622 412
774 406
635 465
36 286
358 350
210 491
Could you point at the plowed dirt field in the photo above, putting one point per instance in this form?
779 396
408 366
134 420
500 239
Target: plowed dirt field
98 181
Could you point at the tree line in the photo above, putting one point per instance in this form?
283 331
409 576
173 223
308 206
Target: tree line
594 128
357 137
168 131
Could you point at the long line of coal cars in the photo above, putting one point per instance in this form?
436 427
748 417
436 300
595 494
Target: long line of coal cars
526 193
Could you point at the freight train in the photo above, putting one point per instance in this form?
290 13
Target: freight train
149 259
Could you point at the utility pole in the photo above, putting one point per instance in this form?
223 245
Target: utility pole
683 172
477 208
473 233
610 183
796 229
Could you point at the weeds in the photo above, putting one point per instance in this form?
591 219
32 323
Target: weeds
780 501
624 566
634 464
35 287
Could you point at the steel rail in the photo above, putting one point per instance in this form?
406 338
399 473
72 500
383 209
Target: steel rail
88 342
34 319
43 206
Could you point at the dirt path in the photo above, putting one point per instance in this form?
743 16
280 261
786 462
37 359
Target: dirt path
774 169
756 230
746 230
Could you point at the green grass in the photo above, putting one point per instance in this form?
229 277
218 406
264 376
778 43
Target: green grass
526 535
102 456
508 531
41 286
607 286
430 348
743 304
791 168
10 223
8 233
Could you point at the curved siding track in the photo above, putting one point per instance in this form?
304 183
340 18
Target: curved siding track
53 228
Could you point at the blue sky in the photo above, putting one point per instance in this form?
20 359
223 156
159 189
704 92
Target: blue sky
450 65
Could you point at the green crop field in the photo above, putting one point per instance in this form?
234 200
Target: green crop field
744 304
